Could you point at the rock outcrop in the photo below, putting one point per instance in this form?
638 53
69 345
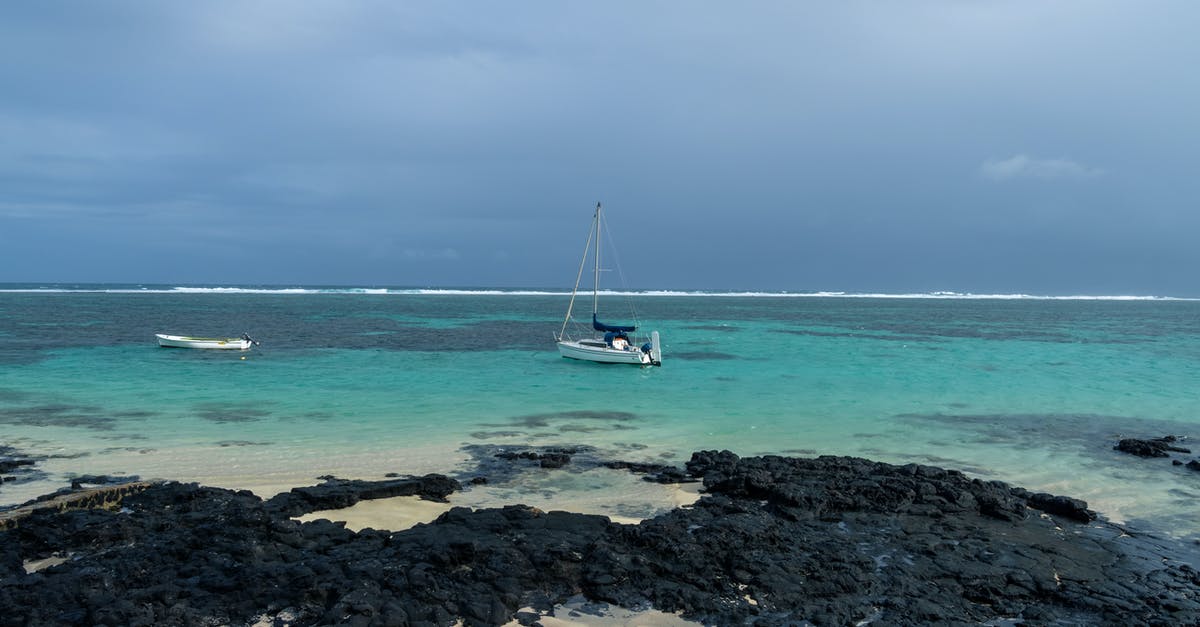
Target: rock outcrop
775 541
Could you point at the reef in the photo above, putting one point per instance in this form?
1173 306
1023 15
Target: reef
773 541
14 466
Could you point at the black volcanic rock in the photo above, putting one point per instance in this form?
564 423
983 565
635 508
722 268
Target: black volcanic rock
776 541
655 473
14 465
83 481
1073 509
1156 447
552 457
337 493
8 464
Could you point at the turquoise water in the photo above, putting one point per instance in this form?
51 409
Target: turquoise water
1034 392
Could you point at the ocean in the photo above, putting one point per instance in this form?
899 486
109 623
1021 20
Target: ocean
362 382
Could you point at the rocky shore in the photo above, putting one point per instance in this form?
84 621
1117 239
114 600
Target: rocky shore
774 541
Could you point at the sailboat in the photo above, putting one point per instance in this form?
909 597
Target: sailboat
610 343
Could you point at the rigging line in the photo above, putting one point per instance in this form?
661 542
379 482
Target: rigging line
612 253
578 277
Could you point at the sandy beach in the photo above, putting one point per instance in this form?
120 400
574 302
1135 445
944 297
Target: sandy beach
399 513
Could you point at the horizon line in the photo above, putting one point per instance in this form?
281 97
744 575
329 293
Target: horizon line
283 288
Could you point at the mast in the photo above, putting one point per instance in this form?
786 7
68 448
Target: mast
562 333
596 272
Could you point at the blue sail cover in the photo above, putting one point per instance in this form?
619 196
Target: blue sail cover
610 328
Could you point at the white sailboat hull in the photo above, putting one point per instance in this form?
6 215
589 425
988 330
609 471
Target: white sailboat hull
616 347
218 343
598 351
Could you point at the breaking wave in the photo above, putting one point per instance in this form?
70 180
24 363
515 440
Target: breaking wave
455 291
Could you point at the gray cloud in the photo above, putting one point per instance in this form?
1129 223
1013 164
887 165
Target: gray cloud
778 146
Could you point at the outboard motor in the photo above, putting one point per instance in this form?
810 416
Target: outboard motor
655 349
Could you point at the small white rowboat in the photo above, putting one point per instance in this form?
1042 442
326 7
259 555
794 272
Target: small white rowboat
221 343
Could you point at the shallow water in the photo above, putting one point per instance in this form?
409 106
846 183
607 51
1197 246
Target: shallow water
1033 392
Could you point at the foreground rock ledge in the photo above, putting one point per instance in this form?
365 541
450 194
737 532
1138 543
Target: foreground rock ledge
776 541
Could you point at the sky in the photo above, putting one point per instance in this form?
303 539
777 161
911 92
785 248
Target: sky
982 146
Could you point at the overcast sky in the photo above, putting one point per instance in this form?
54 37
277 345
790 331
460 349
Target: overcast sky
975 145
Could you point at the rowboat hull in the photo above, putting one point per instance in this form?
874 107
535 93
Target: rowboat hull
597 351
214 343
